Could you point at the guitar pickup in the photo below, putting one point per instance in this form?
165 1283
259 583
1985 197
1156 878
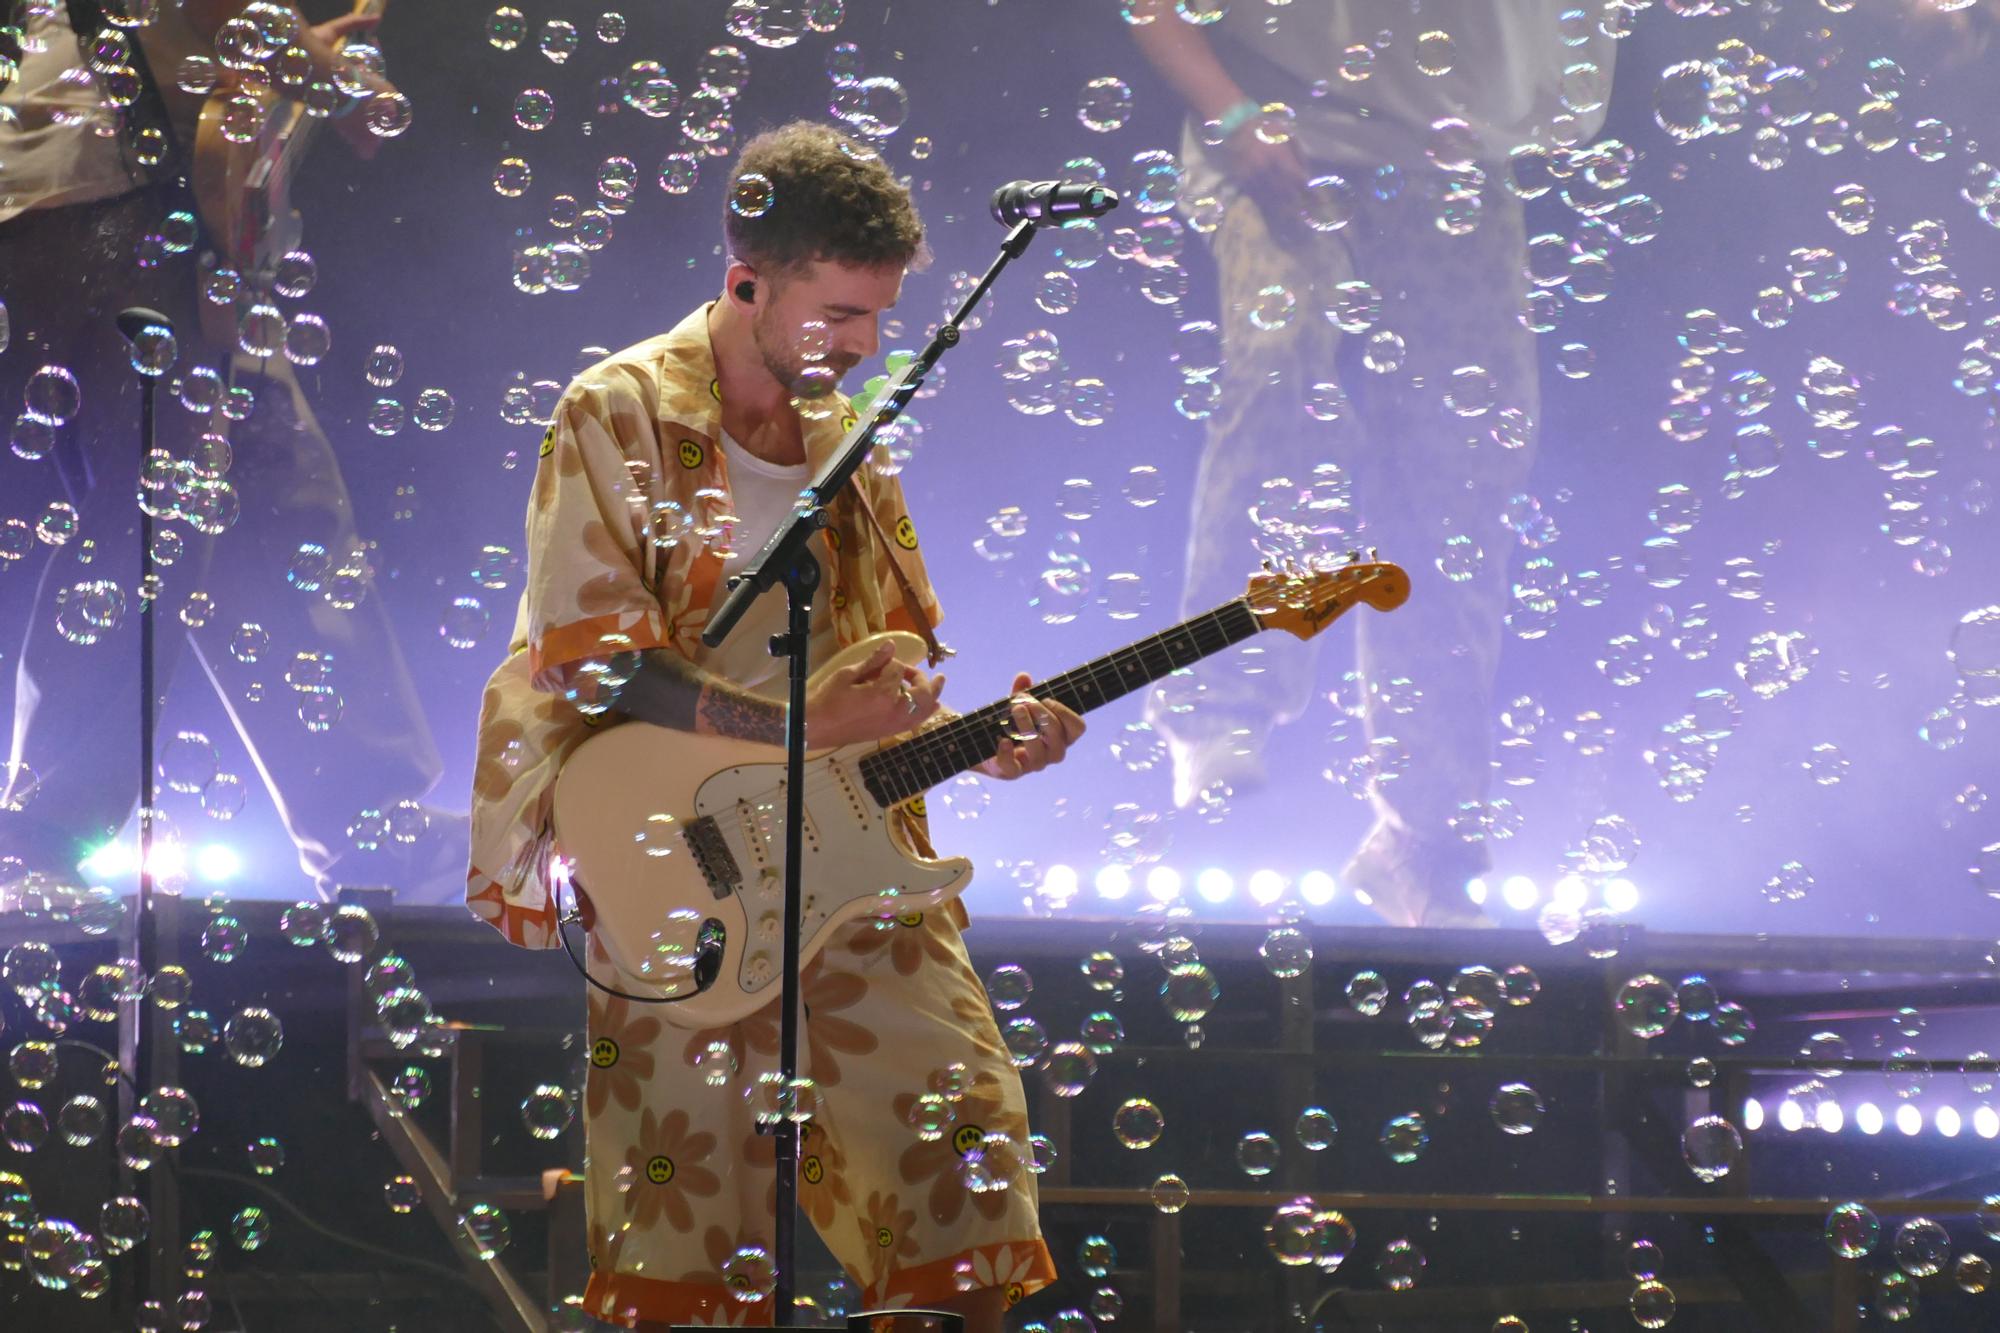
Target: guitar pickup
712 856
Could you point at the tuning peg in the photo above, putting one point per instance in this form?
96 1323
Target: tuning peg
1374 554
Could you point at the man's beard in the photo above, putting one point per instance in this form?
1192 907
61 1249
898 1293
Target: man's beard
800 378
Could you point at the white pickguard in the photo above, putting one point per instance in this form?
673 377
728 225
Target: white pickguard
639 810
851 864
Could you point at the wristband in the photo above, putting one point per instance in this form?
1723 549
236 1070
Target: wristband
1238 116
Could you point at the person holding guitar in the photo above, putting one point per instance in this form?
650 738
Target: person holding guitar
664 469
98 182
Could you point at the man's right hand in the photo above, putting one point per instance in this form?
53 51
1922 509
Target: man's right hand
868 700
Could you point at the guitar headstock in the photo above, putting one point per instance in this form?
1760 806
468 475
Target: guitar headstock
1304 601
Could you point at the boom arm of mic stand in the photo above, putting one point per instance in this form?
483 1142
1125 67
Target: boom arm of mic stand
781 551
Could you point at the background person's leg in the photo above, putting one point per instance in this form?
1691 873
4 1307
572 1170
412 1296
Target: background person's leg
1457 427
1270 422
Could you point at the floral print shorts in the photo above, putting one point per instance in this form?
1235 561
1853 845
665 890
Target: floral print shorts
913 1167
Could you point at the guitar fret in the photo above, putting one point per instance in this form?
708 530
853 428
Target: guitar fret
916 765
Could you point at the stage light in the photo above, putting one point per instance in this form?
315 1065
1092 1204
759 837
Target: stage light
1570 893
1830 1117
1214 885
1909 1119
1475 891
1163 883
112 860
1948 1122
1520 893
1986 1122
1868 1118
217 862
1265 887
168 859
1113 882
1621 895
1753 1113
1317 887
1791 1116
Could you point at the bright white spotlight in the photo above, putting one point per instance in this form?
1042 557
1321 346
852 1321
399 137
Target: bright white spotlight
1791 1116
1214 884
216 862
111 861
1317 887
1830 1117
1266 887
1909 1119
1621 895
1569 893
1113 882
1519 892
1475 891
1948 1122
1163 883
1868 1118
168 859
1986 1122
1753 1113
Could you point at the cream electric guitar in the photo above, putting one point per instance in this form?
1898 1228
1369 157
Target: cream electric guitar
677 840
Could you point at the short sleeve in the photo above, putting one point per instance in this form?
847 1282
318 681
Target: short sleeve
885 494
590 588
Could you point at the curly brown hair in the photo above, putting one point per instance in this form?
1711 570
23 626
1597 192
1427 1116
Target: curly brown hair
805 191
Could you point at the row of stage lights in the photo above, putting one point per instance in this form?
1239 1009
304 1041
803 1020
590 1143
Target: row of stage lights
1316 888
119 860
1830 1117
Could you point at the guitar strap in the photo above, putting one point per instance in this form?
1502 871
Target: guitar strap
912 606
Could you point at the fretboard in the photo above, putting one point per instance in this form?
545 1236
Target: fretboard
916 765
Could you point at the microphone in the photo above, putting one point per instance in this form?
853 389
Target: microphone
134 319
1050 201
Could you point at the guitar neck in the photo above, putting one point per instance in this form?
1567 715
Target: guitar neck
898 772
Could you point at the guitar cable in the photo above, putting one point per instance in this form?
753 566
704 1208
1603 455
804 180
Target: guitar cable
707 961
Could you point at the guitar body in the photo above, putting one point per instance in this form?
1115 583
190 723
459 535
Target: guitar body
670 833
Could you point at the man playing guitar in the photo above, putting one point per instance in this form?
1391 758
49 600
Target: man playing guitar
664 468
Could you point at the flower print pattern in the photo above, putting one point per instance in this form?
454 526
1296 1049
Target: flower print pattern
621 1054
665 1167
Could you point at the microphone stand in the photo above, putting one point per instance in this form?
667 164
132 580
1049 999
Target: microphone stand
787 559
145 1044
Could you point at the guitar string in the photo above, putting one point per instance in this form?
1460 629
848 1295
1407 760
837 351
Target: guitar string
938 755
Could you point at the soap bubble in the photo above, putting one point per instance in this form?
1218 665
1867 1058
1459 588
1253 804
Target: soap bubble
1138 1123
1711 1147
1516 1108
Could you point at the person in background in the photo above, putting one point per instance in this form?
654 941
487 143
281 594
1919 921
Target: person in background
1379 387
97 214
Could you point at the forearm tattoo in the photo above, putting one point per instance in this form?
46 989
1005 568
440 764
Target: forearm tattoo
728 711
664 688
